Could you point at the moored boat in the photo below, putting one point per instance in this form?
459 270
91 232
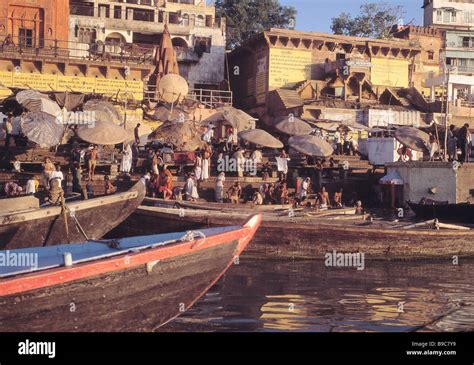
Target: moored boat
308 236
129 284
23 223
459 213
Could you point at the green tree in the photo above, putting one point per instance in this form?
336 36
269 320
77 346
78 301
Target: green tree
248 17
374 20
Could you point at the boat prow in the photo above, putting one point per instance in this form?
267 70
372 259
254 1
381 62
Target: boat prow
84 219
134 283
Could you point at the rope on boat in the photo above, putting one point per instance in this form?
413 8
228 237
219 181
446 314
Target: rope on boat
73 216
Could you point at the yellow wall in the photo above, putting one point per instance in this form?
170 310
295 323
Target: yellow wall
288 67
70 83
389 72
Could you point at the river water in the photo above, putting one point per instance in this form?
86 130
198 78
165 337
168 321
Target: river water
282 295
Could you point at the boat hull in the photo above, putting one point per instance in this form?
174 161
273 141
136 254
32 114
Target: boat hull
136 292
312 239
459 213
47 226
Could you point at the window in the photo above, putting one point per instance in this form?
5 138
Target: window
86 36
453 17
25 37
202 45
430 55
439 16
446 17
117 12
199 21
467 17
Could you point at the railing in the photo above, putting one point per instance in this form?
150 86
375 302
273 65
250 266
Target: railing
96 51
464 68
210 98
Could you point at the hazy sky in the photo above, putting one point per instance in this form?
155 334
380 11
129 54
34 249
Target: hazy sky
316 15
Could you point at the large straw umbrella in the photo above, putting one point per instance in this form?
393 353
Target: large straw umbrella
103 132
184 136
261 138
292 126
42 128
103 109
413 138
311 146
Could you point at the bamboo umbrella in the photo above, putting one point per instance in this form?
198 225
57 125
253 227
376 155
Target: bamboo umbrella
292 126
414 138
185 136
261 138
104 110
103 132
311 146
34 101
42 128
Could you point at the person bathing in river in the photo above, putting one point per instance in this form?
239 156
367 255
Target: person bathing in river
338 199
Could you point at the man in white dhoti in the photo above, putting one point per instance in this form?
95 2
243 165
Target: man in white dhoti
190 189
198 166
219 191
127 158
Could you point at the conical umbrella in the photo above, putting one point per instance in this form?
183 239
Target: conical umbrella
413 138
183 135
42 128
260 137
34 101
292 126
311 146
164 114
104 110
103 132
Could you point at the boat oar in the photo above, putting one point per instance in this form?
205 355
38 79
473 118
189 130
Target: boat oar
73 216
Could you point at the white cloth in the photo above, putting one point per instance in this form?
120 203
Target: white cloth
337 137
205 169
191 189
57 175
127 158
304 189
282 164
30 187
207 137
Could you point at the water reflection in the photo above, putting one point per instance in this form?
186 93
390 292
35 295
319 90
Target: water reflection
259 295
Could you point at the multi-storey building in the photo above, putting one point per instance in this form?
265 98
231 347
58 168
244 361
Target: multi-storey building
198 36
456 17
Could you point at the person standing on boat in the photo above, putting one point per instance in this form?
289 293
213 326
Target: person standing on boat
126 164
92 161
452 143
57 174
56 193
190 189
48 169
219 192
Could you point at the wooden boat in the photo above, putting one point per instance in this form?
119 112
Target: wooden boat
130 284
24 224
213 205
312 235
459 213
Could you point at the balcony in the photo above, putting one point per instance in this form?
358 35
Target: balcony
465 69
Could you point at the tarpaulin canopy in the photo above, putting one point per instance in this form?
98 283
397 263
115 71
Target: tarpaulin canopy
311 146
69 100
292 126
413 138
260 137
185 136
42 128
103 132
